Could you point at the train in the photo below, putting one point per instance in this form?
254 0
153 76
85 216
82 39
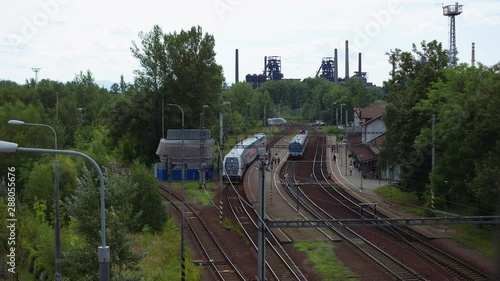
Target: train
298 144
240 157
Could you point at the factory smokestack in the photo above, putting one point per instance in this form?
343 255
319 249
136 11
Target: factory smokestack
346 60
236 68
473 60
265 66
359 65
336 65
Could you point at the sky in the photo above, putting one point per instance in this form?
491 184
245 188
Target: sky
64 37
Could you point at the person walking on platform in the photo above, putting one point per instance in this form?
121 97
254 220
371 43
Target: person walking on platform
350 169
334 157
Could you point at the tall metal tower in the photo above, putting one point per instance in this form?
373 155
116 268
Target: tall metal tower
451 11
273 68
327 69
36 70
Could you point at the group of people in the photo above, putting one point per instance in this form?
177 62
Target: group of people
273 162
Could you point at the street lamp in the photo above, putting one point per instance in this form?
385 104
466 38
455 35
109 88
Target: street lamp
221 140
203 116
57 230
103 250
202 147
345 129
183 257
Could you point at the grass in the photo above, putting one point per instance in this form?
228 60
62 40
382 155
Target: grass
480 239
202 196
160 255
409 199
26 276
228 224
323 258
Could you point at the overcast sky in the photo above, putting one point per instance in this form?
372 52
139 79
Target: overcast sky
64 37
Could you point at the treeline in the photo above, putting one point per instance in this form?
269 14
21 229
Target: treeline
464 101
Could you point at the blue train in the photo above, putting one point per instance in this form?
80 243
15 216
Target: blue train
240 157
298 144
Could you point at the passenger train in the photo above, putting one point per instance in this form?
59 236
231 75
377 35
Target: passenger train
240 157
298 144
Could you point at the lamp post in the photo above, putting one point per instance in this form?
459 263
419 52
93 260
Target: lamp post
221 140
345 129
103 250
57 226
183 257
202 147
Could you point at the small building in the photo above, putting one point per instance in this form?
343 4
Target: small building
366 141
193 148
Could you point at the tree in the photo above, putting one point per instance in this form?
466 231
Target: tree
115 88
83 207
359 93
89 97
466 121
177 68
413 74
146 200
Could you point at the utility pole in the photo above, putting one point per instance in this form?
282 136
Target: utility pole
261 264
433 157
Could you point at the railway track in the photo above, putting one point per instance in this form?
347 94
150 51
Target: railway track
424 254
280 266
215 257
389 264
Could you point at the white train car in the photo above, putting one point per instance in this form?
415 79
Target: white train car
240 157
297 145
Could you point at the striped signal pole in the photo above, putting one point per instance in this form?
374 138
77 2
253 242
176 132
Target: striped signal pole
390 194
433 201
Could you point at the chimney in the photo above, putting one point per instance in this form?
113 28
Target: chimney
236 70
265 66
346 60
473 60
359 65
336 65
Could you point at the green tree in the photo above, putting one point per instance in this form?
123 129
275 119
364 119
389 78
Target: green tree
90 98
359 93
177 68
413 74
83 206
94 141
146 200
40 183
466 123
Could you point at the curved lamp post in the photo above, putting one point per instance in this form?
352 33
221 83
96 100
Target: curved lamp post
183 257
103 250
57 235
